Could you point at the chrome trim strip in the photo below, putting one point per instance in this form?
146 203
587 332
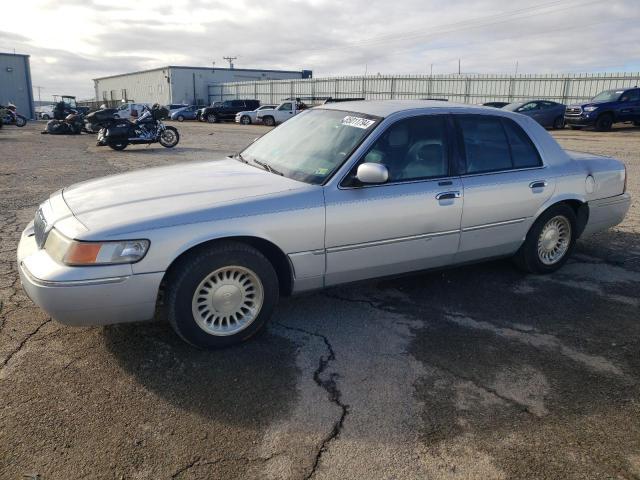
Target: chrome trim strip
495 224
376 243
72 283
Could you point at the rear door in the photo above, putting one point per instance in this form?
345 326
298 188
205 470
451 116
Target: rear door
505 184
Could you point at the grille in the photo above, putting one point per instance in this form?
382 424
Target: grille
40 229
573 111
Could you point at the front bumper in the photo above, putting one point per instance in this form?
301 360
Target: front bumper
580 120
85 295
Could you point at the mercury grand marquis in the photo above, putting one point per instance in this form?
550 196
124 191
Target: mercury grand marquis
340 193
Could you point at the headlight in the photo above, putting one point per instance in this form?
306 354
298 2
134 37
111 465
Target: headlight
74 252
590 109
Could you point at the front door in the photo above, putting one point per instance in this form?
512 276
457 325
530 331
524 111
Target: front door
505 184
411 222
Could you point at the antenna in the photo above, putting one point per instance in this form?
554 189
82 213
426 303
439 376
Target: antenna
230 60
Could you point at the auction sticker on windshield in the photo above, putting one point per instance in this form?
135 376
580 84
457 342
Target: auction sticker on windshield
357 122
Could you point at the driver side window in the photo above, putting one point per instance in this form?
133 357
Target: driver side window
412 149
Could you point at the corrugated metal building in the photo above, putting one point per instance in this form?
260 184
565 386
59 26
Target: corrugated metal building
174 84
15 83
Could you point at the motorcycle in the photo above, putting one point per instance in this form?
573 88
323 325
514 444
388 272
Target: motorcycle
11 117
119 133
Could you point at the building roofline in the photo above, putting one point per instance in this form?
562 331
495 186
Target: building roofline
14 54
199 68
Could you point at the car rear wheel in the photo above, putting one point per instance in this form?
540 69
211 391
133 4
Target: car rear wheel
549 242
604 122
180 118
45 117
558 123
245 120
221 296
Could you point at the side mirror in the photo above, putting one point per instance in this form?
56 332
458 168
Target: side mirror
372 173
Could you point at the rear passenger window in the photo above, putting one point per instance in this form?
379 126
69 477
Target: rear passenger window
523 151
485 144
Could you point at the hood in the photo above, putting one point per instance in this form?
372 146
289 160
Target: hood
164 196
604 103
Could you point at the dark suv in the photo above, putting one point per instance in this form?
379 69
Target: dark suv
227 110
605 109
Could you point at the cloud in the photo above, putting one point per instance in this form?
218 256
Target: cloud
329 36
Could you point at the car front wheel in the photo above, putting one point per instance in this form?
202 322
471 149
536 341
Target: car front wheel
211 118
549 242
221 296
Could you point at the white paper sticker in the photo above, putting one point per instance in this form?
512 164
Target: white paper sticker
357 122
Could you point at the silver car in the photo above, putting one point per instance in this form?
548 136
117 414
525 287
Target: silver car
251 116
340 193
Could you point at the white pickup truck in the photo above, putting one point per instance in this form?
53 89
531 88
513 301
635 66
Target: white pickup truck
281 113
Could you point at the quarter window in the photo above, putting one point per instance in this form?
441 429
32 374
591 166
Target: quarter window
413 148
523 151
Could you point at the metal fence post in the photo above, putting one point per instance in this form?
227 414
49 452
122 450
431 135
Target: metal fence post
565 90
393 87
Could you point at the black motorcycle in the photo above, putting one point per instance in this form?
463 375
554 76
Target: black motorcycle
118 133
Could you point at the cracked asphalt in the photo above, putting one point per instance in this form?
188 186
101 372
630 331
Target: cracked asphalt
478 372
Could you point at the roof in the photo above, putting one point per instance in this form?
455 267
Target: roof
9 54
167 67
384 108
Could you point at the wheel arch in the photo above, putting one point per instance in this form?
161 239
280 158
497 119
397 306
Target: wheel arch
279 260
578 205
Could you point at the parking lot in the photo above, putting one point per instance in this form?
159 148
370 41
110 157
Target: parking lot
478 372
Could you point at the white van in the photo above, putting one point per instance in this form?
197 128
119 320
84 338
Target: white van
130 110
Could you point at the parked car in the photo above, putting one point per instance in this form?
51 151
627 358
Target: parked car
495 104
340 193
547 113
605 109
130 110
185 113
174 107
227 110
281 113
44 112
251 116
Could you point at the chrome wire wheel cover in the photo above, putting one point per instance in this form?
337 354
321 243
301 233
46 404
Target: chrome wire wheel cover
227 300
554 240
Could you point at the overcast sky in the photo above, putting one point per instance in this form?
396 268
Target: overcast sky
73 41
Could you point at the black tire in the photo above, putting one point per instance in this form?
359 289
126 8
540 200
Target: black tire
180 118
527 257
211 118
558 123
269 121
118 145
116 116
575 127
245 120
20 121
636 123
170 144
46 117
183 281
604 122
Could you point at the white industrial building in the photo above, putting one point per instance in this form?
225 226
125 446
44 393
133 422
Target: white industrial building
173 84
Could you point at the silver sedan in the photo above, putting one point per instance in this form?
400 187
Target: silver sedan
340 193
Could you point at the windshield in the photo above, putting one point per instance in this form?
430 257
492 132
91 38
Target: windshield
312 145
608 96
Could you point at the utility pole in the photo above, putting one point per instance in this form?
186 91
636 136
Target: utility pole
458 66
230 60
39 88
431 71
516 67
213 66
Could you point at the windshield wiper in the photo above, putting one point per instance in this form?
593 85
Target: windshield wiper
268 167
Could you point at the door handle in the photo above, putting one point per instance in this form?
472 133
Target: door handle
538 184
448 195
